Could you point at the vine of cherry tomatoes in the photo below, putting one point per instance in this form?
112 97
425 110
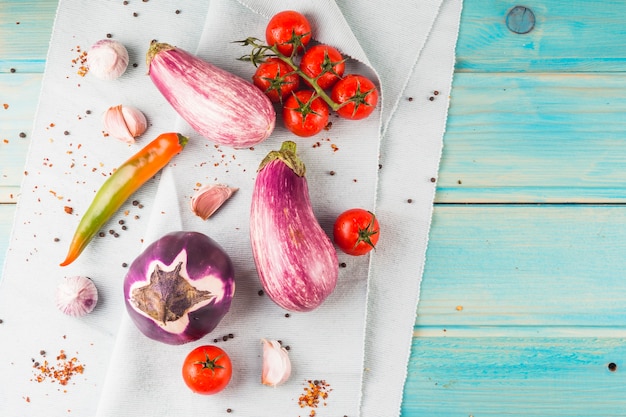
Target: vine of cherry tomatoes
309 83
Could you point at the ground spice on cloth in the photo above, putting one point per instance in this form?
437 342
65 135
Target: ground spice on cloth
315 394
61 372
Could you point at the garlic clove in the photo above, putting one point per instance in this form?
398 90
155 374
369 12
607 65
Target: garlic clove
76 296
124 123
209 198
276 363
135 121
107 59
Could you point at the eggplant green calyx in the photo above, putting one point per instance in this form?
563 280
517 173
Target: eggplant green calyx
209 363
154 49
286 154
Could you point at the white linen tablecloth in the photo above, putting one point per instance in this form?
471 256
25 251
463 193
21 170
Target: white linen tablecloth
358 341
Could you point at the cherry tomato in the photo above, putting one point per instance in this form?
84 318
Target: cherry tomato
358 96
325 62
286 30
207 370
276 79
356 231
305 114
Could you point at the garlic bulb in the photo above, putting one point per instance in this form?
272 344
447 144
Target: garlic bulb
124 123
276 363
107 59
209 198
76 296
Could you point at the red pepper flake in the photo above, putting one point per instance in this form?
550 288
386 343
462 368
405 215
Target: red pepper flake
68 209
315 394
81 62
5 105
61 372
334 147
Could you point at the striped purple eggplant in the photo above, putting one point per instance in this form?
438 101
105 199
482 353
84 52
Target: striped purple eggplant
219 105
296 261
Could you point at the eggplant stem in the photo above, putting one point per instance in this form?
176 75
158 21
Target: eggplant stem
287 154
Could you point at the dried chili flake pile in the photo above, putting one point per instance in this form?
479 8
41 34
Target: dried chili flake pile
315 394
61 372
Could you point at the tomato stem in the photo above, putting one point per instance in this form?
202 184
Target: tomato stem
261 52
367 232
209 363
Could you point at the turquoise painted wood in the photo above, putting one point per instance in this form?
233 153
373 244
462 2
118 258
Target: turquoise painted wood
25 27
547 137
515 376
578 36
523 303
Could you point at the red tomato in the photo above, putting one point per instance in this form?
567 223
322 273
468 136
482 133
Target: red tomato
276 79
207 370
358 96
305 114
286 30
325 62
356 231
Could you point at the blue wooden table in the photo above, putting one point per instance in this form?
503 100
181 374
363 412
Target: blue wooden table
523 302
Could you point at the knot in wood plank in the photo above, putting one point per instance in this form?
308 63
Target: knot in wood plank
520 19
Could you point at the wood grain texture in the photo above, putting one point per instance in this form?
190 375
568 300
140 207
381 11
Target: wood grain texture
535 137
25 28
568 36
522 305
515 376
524 266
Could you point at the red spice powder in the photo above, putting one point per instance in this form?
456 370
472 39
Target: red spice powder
61 372
315 394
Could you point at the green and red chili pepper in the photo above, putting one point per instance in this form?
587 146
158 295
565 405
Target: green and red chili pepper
127 179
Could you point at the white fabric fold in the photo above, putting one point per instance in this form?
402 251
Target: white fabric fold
359 340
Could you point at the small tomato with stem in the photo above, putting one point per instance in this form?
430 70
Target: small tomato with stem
276 79
207 370
356 96
305 113
289 31
324 64
356 231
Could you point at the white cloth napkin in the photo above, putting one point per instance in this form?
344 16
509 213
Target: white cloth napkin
358 341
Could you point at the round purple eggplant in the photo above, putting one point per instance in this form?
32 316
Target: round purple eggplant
179 288
295 259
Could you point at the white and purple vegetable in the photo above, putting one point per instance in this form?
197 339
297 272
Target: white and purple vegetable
179 288
296 261
219 105
107 59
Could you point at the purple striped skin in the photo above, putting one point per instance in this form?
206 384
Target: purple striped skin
220 106
296 261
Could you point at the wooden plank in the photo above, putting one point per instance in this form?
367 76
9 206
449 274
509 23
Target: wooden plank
568 36
25 28
535 138
485 43
530 376
524 265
